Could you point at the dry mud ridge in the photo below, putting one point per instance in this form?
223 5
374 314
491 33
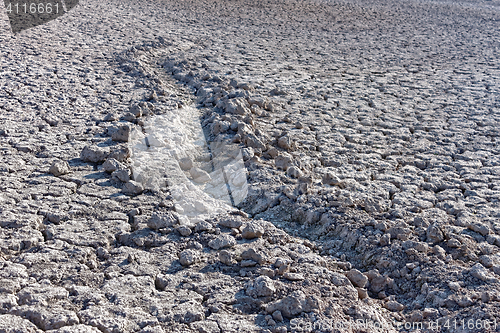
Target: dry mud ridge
369 132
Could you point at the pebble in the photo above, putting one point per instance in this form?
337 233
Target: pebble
111 165
293 276
122 133
94 154
357 278
188 257
252 230
133 188
59 168
222 241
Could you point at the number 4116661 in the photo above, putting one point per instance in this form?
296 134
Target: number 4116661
33 8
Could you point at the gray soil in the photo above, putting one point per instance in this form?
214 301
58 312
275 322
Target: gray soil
370 134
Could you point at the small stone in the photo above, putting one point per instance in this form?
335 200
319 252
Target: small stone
261 287
231 222
184 230
204 226
430 313
294 304
205 326
362 293
247 153
7 302
294 172
376 205
220 127
121 154
59 168
194 245
112 116
222 241
254 255
252 230
133 188
277 315
485 297
248 263
128 116
385 240
122 133
330 179
188 257
226 257
162 220
15 324
94 154
453 243
480 272
111 165
136 110
479 228
267 272
439 251
122 175
377 281
434 234
357 278
285 142
282 162
186 163
56 217
394 306
293 276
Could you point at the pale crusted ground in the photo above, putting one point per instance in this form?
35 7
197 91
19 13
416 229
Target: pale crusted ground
369 132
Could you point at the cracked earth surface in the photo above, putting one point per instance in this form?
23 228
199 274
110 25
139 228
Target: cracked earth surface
369 134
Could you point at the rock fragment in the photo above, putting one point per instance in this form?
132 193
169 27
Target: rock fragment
186 163
122 133
162 220
357 278
226 257
434 233
480 272
394 306
120 154
122 175
252 230
188 257
132 188
293 276
222 241
59 168
15 324
295 304
184 230
94 154
261 287
254 255
111 165
286 142
231 222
